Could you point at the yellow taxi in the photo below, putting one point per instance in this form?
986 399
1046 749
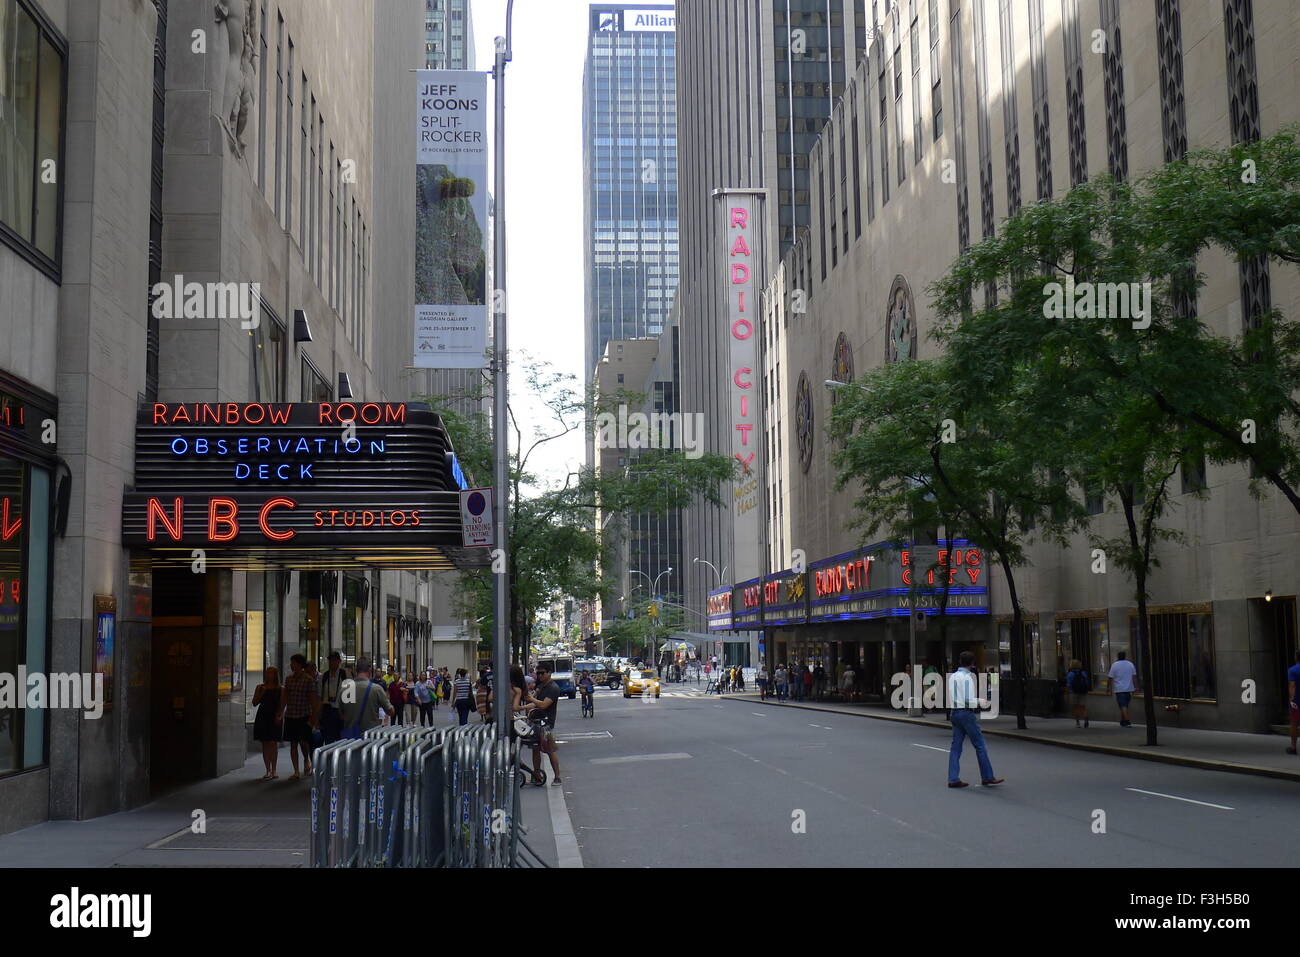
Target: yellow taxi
641 681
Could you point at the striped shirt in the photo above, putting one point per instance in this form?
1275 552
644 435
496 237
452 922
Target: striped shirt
462 689
962 691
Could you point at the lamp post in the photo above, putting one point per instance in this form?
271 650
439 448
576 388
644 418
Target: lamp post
500 413
720 576
654 591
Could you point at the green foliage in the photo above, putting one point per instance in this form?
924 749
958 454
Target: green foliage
554 550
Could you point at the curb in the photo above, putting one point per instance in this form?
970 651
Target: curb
1190 762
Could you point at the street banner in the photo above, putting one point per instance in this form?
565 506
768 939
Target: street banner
451 220
476 517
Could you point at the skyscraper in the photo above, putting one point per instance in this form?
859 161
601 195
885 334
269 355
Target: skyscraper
630 167
448 35
759 79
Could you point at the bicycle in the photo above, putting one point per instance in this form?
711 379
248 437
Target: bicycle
588 704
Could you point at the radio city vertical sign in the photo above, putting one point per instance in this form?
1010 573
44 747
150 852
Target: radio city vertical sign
739 276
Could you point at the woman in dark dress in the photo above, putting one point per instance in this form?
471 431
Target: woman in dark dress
266 725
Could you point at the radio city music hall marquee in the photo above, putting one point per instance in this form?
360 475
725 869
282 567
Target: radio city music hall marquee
312 474
873 582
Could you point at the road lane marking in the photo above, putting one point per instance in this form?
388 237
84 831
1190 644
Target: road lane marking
673 756
932 748
566 842
1175 797
758 714
814 725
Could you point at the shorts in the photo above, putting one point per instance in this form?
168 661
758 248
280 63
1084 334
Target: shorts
1122 698
1295 716
546 743
297 729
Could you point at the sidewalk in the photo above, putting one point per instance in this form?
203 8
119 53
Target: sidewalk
1260 754
249 823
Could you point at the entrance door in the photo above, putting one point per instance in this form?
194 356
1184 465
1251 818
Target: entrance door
176 713
1279 619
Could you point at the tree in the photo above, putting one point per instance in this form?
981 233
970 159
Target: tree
1061 330
921 456
554 549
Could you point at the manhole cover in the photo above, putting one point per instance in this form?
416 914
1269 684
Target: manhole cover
228 834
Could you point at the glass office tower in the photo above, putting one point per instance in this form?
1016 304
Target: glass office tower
448 35
630 171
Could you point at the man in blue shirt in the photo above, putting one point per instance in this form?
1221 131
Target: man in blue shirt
963 699
1293 702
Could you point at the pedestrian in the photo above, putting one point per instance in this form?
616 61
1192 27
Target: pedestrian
1079 682
807 682
362 700
424 701
761 680
819 681
267 727
483 699
965 701
740 678
331 683
846 682
547 701
1293 698
397 695
462 695
1123 682
518 689
300 711
782 681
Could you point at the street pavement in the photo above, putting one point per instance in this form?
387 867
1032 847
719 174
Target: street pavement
690 781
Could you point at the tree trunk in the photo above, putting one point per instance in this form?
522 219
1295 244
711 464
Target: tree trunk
1144 649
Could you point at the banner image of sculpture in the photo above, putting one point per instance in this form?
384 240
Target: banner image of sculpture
451 227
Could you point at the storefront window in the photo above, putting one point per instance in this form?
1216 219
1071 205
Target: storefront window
24 595
31 134
315 387
353 592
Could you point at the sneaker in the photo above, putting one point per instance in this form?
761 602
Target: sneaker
557 782
991 781
1290 750
958 784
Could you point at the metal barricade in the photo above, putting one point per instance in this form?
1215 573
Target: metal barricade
406 796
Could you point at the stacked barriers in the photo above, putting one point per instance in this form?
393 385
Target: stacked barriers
406 796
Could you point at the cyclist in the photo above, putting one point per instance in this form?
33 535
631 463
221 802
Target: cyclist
587 688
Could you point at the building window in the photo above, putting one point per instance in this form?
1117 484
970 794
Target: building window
267 351
936 93
32 78
1182 654
315 387
1194 478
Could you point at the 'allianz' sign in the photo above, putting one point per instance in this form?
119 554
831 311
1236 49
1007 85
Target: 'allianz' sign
663 21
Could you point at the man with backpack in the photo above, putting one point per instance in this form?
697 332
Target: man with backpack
1078 682
361 700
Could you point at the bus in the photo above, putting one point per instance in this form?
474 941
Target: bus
561 668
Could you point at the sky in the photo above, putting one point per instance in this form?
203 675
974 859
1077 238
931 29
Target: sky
544 283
